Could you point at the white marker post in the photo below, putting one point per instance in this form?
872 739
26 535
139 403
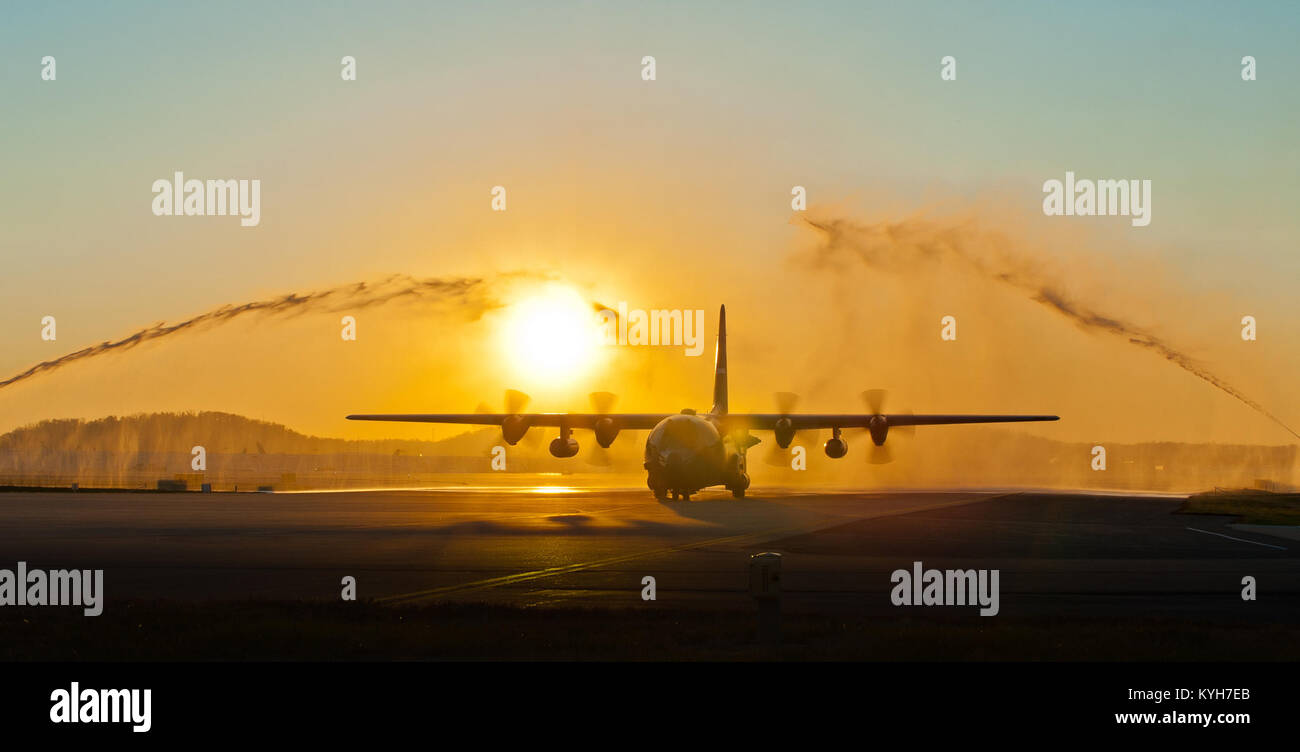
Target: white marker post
765 586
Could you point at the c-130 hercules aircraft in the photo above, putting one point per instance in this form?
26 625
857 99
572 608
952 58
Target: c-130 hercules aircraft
686 452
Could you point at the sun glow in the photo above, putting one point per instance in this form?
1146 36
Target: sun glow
551 336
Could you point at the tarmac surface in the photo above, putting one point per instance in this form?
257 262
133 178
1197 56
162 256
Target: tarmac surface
1058 553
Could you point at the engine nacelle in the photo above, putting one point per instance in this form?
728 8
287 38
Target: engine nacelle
879 428
513 428
784 432
564 447
606 431
836 448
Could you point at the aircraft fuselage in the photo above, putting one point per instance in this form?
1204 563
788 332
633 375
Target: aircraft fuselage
687 452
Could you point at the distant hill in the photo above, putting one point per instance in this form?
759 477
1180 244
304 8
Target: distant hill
138 450
218 432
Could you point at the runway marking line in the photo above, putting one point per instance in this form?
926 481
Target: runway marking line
539 573
565 569
1242 540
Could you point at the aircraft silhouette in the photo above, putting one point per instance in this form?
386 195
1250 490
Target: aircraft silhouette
686 452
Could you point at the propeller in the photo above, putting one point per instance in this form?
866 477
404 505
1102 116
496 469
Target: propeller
876 399
602 403
775 455
515 402
881 454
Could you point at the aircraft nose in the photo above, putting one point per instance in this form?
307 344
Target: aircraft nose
673 462
677 458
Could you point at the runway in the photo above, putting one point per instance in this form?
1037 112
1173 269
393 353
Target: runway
1058 554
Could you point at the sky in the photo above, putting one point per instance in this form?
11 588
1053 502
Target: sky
672 193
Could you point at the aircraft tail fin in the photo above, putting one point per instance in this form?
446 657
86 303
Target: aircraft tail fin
720 366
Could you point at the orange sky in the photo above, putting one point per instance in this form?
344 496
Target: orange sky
666 194
825 332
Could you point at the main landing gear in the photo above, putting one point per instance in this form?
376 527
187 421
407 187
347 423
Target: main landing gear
662 494
738 489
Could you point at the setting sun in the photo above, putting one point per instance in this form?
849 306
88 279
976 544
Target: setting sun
550 335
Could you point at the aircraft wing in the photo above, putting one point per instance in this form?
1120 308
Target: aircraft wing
731 421
768 421
624 421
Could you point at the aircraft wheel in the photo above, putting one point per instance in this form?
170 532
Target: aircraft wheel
738 493
676 496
